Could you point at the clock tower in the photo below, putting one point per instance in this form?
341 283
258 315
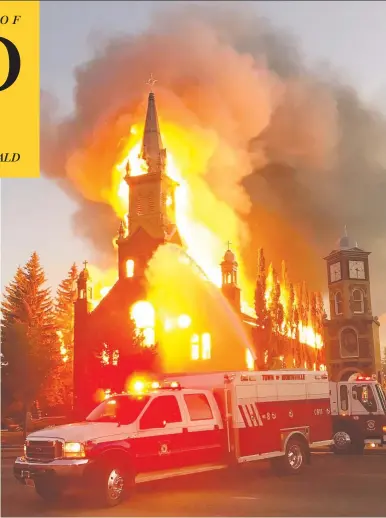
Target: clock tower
352 333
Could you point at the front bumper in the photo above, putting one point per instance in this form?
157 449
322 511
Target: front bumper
63 472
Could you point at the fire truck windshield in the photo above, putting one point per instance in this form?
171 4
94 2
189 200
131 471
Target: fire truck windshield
123 409
381 397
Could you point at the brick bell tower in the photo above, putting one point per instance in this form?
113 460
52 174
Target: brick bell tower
152 203
352 333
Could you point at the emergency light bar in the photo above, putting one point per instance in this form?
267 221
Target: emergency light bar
140 386
364 378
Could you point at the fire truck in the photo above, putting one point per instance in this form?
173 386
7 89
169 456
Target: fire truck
182 426
358 409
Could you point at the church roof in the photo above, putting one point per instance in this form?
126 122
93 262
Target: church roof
152 148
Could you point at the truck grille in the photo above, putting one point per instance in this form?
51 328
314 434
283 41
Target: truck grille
44 450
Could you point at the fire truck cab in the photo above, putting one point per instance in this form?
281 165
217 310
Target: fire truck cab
358 407
194 424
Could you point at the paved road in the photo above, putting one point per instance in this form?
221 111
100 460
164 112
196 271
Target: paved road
331 486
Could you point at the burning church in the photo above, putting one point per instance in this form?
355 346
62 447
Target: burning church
197 327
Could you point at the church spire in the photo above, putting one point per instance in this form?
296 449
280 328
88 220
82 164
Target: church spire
152 149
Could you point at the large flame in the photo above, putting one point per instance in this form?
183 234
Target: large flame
204 234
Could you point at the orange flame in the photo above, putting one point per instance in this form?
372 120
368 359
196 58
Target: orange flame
204 238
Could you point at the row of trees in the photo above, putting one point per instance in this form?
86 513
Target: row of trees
286 313
37 340
37 344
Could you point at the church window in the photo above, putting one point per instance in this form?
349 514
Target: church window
143 315
195 347
201 347
349 344
81 294
206 346
129 268
338 303
358 301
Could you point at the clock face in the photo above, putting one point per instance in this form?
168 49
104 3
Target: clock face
335 272
357 270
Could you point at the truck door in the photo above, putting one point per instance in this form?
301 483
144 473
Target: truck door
205 439
158 443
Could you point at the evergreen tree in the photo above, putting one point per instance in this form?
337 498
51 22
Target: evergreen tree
29 340
263 329
59 387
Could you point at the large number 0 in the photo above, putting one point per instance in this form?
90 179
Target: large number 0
14 63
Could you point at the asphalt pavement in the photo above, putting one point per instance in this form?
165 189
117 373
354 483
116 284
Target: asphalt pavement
331 486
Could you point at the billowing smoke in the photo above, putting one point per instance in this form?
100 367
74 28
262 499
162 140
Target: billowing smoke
292 153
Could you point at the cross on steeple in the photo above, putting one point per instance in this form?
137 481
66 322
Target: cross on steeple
85 264
151 82
229 245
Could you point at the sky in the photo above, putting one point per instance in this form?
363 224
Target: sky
346 34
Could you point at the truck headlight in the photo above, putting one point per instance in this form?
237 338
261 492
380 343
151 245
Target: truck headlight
74 450
384 429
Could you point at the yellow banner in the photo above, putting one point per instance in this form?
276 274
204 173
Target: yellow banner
19 89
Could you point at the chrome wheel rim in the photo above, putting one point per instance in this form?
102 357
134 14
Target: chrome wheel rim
295 456
342 440
115 484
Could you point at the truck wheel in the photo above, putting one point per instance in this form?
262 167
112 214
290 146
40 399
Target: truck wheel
47 491
113 485
293 461
346 443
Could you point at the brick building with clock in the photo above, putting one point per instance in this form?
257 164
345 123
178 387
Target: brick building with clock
352 332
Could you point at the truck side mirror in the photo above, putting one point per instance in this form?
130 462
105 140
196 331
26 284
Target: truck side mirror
355 396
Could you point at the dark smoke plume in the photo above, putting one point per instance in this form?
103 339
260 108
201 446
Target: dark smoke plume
315 152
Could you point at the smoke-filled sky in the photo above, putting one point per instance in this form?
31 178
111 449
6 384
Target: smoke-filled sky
299 153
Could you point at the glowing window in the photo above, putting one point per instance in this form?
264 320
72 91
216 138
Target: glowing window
195 352
143 315
195 347
206 346
184 321
249 360
130 268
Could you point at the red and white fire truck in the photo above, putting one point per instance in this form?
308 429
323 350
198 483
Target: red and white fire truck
182 426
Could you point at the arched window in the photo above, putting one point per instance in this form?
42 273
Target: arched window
338 303
143 315
358 301
349 344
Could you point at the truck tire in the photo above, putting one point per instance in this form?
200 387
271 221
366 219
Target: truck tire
345 443
49 492
113 483
292 463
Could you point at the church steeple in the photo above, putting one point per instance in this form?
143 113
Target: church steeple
152 202
229 287
152 150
